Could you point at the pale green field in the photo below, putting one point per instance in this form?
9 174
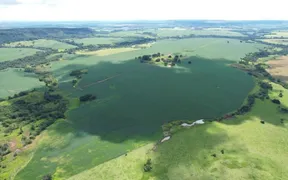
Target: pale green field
251 151
8 54
128 34
13 81
46 43
278 34
98 40
181 32
276 41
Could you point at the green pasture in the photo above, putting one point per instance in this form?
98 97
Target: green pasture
9 54
46 43
251 150
98 40
13 81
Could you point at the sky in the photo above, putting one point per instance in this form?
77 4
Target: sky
103 10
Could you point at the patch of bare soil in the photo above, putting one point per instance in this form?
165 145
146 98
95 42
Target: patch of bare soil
279 68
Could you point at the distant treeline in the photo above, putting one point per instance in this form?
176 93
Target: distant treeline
26 34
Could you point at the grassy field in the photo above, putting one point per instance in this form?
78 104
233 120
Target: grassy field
98 40
13 81
251 150
9 54
46 43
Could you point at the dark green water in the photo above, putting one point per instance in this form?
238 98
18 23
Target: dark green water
144 96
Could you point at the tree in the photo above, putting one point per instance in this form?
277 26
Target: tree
87 97
276 101
47 177
280 95
148 166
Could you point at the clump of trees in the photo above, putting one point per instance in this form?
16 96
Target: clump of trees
147 166
276 101
47 177
29 108
87 97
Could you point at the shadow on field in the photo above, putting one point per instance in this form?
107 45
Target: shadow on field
134 99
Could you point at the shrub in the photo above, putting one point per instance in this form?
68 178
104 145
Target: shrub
276 101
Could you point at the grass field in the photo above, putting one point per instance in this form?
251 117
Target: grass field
46 43
13 81
251 150
98 40
9 54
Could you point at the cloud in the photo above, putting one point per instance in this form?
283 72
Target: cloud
9 2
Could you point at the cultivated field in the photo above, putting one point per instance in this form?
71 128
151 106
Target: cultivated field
106 52
135 99
42 43
276 41
166 32
8 54
240 146
279 68
278 34
95 41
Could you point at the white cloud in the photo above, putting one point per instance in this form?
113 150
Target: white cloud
50 10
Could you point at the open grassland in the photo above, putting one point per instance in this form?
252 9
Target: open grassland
98 40
9 54
243 149
278 34
106 52
279 68
13 81
167 32
46 43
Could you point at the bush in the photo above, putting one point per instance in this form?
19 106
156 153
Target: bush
276 101
147 166
87 97
47 177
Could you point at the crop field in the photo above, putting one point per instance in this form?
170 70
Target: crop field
42 43
25 81
98 40
182 32
278 34
128 34
240 146
105 52
134 100
276 41
279 68
8 54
